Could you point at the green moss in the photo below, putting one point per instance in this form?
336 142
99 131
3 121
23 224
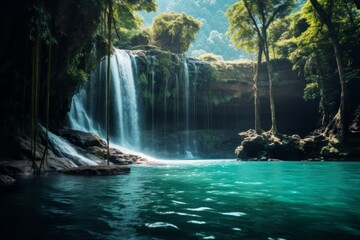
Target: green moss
74 69
218 98
143 79
210 57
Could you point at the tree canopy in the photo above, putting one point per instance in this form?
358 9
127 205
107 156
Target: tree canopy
127 21
249 23
307 42
174 31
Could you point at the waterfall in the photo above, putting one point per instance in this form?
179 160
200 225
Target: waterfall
168 115
196 72
62 148
187 103
88 111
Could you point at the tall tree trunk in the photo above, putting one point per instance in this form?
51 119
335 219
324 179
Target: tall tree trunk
256 90
273 129
341 120
108 84
35 99
343 112
48 82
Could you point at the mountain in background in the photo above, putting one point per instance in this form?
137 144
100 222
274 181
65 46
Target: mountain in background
211 37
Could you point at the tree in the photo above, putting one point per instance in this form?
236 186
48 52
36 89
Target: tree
307 41
127 22
249 23
39 32
307 47
244 34
341 119
174 31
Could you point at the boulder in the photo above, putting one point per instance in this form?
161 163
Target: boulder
94 145
288 148
100 170
82 139
268 146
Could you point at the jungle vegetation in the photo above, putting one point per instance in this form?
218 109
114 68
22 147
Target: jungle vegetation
306 36
54 40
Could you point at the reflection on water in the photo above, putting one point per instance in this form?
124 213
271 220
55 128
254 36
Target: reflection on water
211 200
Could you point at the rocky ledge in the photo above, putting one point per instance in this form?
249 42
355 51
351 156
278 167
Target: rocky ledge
101 170
16 157
315 146
92 144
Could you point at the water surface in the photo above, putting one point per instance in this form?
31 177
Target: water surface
211 200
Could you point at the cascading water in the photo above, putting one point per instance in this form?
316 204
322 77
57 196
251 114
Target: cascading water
168 111
88 111
62 148
187 104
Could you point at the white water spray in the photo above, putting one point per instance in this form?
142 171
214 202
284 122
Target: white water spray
88 106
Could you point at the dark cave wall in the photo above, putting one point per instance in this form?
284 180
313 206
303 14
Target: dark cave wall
73 25
224 95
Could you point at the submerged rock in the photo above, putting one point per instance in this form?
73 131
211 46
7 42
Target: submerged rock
101 170
5 179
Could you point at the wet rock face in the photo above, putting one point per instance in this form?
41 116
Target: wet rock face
82 139
92 144
220 93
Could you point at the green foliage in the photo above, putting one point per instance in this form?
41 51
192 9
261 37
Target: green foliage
142 37
249 21
210 57
174 31
241 30
127 22
283 34
306 43
211 37
143 79
311 91
40 25
217 98
74 69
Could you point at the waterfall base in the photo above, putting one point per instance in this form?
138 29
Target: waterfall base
69 149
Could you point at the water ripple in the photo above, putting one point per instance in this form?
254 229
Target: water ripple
235 214
248 183
196 222
160 225
199 209
178 213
